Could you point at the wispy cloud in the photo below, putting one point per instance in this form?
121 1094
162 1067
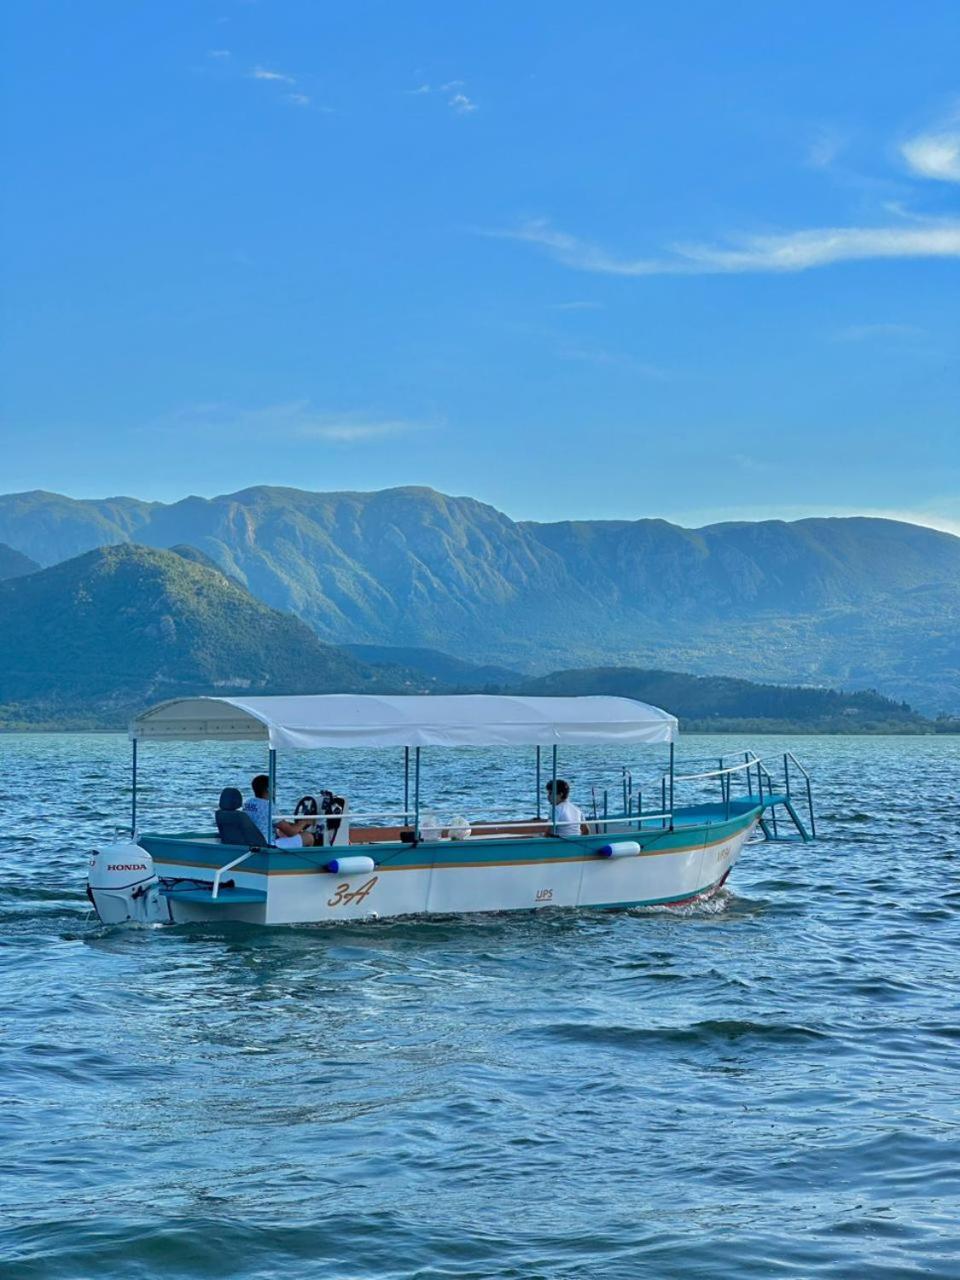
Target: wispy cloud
452 90
934 155
867 332
264 73
347 431
582 304
782 253
462 104
294 94
604 358
290 420
219 53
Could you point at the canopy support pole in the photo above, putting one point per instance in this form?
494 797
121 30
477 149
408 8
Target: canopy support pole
416 794
538 784
672 755
553 795
272 773
406 783
133 793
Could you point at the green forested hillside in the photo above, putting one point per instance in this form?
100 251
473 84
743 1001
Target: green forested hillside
91 640
854 602
718 702
14 564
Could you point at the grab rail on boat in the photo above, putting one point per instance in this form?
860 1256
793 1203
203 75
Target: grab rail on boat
229 867
716 773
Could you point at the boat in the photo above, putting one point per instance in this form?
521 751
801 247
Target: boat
413 862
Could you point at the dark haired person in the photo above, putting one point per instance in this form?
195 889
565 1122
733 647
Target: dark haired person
567 817
289 835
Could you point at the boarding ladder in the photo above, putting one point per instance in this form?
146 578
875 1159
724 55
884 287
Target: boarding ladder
775 794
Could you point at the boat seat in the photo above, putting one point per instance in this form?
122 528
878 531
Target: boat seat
235 826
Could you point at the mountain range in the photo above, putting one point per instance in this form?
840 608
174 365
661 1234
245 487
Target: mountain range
856 602
90 641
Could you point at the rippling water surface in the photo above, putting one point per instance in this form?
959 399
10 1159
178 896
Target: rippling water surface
764 1085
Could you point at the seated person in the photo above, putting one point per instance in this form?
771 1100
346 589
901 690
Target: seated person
567 817
289 835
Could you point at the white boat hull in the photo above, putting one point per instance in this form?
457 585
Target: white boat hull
447 879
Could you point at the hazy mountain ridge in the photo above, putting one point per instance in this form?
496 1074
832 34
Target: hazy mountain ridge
438 668
14 564
762 566
90 641
856 602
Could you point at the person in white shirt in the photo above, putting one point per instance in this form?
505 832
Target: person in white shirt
288 835
567 817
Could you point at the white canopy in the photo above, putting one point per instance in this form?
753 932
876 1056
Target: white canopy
372 720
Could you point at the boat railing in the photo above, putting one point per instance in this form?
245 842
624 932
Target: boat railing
727 774
601 823
338 817
632 799
751 771
771 789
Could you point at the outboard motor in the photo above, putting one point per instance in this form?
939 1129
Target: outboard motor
123 886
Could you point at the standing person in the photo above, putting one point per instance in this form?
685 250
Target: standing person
289 835
567 817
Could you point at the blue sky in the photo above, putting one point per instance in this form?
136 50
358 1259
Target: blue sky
697 260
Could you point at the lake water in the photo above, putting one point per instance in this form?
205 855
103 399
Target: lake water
764 1085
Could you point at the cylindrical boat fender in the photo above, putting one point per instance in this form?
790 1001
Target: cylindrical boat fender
351 866
622 849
